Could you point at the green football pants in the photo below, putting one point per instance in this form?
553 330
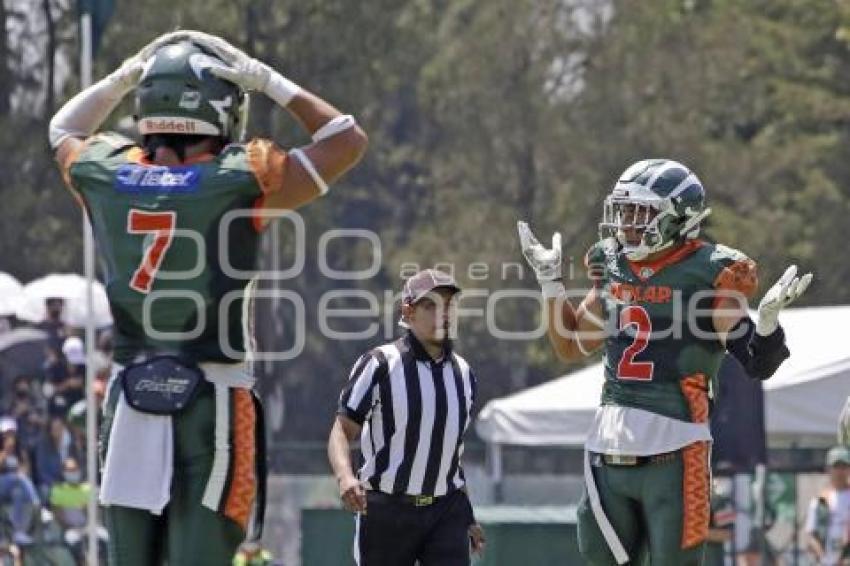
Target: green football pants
187 533
658 510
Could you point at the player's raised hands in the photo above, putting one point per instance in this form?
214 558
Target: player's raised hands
130 71
240 68
546 262
784 292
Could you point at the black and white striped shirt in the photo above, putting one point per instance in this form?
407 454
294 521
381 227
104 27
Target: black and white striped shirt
414 412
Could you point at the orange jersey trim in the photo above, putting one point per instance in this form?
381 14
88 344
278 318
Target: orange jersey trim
65 169
739 276
695 390
268 164
673 256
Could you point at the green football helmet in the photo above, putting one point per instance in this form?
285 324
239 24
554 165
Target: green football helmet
656 203
177 94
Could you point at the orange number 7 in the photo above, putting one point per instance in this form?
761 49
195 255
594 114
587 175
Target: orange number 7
161 225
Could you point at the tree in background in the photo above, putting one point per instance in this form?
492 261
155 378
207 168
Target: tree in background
481 113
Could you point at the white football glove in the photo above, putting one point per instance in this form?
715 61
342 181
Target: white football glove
242 69
545 262
126 77
215 44
783 293
249 73
128 74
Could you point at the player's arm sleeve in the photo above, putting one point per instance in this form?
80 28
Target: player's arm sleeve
760 355
355 401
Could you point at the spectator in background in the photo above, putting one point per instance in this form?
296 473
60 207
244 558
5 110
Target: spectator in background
103 355
827 526
24 409
77 420
15 486
54 448
68 501
66 377
53 324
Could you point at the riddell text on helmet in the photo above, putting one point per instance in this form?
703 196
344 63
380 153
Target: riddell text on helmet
176 126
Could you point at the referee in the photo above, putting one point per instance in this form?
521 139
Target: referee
410 402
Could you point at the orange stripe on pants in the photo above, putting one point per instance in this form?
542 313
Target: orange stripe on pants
243 485
695 483
695 494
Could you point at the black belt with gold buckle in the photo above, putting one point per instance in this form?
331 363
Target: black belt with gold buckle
627 460
415 500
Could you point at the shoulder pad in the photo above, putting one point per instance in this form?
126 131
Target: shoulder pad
113 139
736 271
105 145
233 147
725 254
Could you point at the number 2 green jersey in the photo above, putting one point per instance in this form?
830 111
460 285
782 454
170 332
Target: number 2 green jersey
661 352
179 243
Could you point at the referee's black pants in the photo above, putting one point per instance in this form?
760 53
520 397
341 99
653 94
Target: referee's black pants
396 532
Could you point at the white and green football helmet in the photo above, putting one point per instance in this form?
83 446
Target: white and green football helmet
177 94
660 199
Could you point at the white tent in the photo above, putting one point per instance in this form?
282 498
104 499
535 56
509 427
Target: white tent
803 399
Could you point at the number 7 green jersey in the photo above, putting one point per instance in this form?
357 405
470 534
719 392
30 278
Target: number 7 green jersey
179 243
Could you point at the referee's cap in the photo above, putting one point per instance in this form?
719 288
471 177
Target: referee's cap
426 281
422 283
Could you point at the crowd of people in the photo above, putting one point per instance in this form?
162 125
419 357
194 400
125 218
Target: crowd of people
43 487
44 490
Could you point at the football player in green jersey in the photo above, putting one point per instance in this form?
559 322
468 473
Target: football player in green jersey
177 220
665 307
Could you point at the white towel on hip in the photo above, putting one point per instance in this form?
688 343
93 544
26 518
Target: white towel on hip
139 460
